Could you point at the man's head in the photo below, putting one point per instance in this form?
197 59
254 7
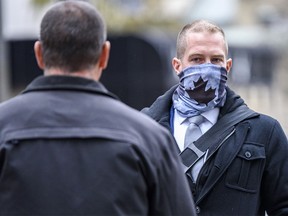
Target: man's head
72 38
201 42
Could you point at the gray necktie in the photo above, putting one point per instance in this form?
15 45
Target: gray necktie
193 131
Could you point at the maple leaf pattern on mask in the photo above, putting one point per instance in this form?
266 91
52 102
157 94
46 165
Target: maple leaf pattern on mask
199 94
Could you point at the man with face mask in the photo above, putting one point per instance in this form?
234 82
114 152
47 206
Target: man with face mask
235 159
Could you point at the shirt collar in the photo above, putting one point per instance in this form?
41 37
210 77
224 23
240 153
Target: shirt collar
211 116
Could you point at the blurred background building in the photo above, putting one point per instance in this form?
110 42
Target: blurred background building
143 35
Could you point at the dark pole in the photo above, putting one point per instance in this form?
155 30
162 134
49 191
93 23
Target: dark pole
4 83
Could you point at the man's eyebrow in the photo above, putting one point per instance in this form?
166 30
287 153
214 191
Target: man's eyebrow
219 56
195 54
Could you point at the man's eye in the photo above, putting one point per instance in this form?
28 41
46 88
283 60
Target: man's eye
196 60
217 60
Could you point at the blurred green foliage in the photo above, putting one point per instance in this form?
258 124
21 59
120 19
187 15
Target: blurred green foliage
39 3
119 17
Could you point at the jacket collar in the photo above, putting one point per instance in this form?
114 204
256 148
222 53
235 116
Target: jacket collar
60 82
232 102
160 110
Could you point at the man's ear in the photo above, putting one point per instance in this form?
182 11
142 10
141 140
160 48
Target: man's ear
104 56
229 65
39 54
176 63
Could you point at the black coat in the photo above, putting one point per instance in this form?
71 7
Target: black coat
69 147
248 175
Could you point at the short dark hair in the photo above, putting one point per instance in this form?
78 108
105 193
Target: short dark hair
72 35
197 26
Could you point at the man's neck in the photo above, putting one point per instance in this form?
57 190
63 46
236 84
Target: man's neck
88 73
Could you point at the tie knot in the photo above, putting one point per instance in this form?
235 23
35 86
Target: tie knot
197 120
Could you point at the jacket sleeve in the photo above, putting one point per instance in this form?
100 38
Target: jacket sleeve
275 179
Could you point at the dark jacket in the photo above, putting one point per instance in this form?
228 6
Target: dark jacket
69 147
248 175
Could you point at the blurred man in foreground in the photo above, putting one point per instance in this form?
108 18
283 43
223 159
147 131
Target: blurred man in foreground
69 147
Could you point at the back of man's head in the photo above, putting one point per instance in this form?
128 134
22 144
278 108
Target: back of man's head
72 35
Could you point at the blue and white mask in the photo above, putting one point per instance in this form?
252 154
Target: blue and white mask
201 88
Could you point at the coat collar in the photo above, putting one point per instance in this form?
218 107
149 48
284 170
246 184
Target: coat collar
160 110
59 82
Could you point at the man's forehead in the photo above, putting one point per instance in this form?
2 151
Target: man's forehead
206 37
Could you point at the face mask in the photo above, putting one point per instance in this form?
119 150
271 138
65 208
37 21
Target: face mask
201 88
